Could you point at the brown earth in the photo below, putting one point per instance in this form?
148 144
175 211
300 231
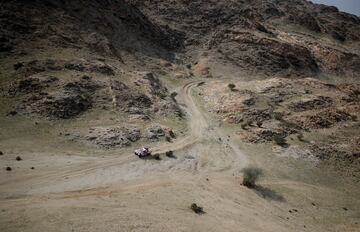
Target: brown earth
85 83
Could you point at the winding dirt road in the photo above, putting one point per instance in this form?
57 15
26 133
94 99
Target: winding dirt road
90 173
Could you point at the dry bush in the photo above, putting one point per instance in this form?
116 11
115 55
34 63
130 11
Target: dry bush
197 209
259 124
278 116
173 96
251 175
169 154
168 139
280 140
231 87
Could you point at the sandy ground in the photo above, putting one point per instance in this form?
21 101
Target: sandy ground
124 193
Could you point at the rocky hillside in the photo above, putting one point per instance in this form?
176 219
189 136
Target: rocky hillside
68 60
61 65
268 36
64 59
105 27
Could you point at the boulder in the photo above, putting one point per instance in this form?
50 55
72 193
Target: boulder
154 132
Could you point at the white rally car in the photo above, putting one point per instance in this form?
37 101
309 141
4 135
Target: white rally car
143 152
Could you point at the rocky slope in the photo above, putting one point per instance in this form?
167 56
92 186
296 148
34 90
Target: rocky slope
108 26
266 36
50 37
66 59
308 116
55 65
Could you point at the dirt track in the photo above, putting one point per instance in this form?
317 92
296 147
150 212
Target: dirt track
124 193
198 131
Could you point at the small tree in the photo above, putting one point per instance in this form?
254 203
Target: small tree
231 86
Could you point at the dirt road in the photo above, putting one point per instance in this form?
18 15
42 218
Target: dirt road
86 170
124 193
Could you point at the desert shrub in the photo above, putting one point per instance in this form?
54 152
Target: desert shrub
197 209
278 116
168 139
201 83
354 118
246 124
259 123
169 154
243 126
173 95
172 134
279 140
300 137
251 175
357 92
231 86
289 125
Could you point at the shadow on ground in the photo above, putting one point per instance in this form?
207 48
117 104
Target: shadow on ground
268 194
171 156
151 157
